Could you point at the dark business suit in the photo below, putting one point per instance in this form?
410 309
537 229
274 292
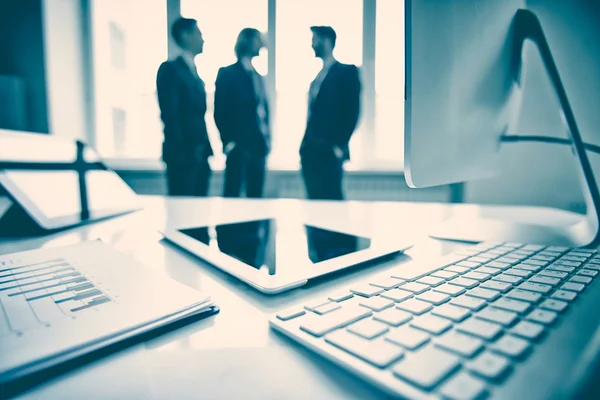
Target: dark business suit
238 95
186 147
332 118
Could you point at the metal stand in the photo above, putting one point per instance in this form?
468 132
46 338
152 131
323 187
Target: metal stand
582 234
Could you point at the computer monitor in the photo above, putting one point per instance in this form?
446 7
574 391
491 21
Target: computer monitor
464 61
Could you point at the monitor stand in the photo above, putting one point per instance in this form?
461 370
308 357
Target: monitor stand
583 233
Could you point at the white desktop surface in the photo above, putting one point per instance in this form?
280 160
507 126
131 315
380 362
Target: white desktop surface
234 354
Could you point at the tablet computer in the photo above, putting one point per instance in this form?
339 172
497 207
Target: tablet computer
57 183
277 254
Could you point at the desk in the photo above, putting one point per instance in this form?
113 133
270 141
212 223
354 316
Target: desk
235 354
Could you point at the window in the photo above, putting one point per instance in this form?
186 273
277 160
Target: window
119 120
220 23
129 41
389 82
117 46
296 65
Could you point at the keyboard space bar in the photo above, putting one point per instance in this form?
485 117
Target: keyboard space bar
415 270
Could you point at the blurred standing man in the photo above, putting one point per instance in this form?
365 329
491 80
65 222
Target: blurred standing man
182 102
333 109
242 117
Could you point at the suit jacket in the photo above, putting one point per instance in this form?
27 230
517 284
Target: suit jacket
236 116
182 102
333 114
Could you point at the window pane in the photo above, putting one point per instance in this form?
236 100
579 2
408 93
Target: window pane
220 22
389 81
129 42
297 65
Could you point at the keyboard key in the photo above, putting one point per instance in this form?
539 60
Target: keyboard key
464 386
499 265
341 296
573 287
486 294
488 270
366 290
376 303
408 337
477 276
564 295
291 313
449 289
510 346
387 282
587 272
460 344
579 253
480 328
535 287
527 330
498 316
316 304
569 263
380 353
393 317
431 281
515 280
495 285
508 260
542 316
554 305
471 303
436 298
397 295
527 267
511 305
451 312
560 268
558 249
319 325
431 324
573 258
538 263
468 264
524 295
466 283
553 274
427 367
482 258
414 306
518 272
546 280
489 365
592 266
581 279
457 269
445 274
414 287
326 308
368 328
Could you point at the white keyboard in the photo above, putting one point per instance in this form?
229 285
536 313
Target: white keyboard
456 328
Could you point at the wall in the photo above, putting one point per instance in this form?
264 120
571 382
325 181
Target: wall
22 54
542 174
65 68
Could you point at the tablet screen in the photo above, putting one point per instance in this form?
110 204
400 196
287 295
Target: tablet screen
276 244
